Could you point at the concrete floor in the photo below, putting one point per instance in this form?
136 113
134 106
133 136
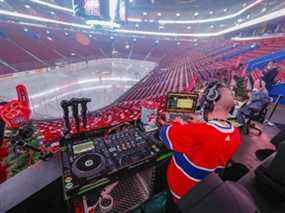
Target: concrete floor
251 143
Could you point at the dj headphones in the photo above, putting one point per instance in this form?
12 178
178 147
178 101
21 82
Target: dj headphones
210 96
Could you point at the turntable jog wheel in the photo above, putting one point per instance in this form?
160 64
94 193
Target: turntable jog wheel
88 165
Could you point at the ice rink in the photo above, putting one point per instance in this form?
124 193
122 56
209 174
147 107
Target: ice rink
102 80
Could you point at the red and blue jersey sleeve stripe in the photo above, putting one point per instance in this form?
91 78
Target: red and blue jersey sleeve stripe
193 171
219 170
164 136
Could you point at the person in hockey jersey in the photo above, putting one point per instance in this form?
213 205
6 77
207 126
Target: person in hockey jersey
201 147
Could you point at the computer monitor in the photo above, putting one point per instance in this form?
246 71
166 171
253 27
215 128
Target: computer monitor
181 102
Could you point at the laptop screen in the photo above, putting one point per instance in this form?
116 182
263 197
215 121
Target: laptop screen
181 102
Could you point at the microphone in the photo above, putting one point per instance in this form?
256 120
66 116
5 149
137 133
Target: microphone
64 105
75 113
84 102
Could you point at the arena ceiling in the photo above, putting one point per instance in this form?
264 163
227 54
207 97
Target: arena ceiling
195 4
204 18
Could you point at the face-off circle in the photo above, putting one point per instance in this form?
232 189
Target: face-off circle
88 164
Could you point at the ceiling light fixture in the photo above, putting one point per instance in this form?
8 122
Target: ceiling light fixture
265 18
204 20
52 5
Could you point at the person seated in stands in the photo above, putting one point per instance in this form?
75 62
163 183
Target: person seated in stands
258 99
270 73
200 146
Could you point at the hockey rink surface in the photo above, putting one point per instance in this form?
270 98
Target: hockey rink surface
103 81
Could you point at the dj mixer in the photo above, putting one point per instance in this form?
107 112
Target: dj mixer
89 161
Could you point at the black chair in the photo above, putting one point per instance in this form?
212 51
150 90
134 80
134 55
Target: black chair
214 195
258 116
270 176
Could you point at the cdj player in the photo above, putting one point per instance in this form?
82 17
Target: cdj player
89 161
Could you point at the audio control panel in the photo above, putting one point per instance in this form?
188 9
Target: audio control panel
130 147
87 160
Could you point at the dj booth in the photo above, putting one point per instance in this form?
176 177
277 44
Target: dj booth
119 160
114 169
76 178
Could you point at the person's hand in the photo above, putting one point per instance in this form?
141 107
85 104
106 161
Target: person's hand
161 121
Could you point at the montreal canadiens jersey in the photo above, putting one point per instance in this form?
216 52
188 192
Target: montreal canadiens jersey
198 150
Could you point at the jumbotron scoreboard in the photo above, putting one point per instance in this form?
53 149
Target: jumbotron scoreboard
106 10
